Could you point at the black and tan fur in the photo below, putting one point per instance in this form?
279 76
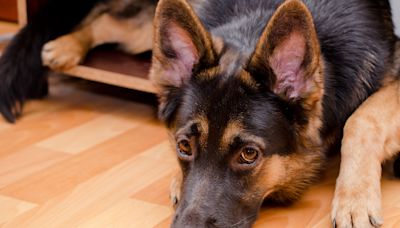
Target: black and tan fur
255 94
59 36
128 23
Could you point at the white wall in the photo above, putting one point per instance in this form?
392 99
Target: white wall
396 14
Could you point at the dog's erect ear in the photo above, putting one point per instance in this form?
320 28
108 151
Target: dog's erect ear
288 53
181 43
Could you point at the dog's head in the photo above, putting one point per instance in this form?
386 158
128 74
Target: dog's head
245 130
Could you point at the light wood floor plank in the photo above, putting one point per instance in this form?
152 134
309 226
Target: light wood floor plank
11 208
31 132
130 213
88 134
158 191
26 162
96 195
65 175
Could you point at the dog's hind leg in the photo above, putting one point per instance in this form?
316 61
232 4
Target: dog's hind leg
134 34
371 136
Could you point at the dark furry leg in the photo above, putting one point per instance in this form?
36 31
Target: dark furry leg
21 73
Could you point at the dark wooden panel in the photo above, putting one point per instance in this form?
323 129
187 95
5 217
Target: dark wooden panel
119 62
8 10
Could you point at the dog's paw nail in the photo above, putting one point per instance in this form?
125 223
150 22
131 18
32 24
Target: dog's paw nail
334 223
375 222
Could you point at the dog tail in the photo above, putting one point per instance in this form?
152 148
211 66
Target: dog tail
22 75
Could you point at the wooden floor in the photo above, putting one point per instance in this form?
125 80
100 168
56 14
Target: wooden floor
92 155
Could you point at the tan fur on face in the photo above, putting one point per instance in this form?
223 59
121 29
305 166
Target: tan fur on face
371 136
284 178
202 123
273 173
247 79
209 74
234 129
280 177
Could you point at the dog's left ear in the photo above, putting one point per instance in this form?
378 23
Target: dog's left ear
287 57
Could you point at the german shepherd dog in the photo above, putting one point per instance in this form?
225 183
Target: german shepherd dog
255 93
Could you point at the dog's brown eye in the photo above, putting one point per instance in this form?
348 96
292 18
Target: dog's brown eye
184 148
248 155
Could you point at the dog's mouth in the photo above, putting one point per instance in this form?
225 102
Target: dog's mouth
198 218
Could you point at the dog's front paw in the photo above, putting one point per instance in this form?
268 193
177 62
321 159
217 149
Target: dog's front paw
63 53
356 207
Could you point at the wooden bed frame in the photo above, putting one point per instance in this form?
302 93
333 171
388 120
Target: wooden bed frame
105 66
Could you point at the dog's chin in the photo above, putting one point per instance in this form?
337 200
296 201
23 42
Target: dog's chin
197 221
236 215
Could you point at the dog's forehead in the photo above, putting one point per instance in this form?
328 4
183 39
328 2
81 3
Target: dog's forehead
232 64
234 110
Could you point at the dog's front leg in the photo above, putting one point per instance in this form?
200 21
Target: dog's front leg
68 50
371 135
133 34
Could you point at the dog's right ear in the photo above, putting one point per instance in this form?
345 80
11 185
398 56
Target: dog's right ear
181 43
288 55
